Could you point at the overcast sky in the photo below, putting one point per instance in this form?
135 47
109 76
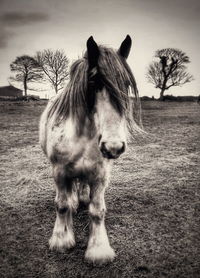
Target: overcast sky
27 26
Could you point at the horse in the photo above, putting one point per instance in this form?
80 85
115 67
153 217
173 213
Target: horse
82 131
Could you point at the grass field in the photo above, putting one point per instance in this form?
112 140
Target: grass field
153 200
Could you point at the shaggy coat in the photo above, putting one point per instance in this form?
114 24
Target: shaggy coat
81 131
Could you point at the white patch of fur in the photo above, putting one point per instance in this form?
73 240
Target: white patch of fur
62 240
63 236
99 249
100 254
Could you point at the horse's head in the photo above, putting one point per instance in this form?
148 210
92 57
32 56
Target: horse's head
99 92
110 78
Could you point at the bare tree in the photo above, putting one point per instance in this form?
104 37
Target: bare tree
170 70
26 70
55 67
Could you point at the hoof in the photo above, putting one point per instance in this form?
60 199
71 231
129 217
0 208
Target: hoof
100 254
61 241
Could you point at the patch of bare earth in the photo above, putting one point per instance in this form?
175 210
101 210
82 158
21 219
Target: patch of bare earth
152 201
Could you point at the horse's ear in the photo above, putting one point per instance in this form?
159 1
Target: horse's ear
92 52
125 47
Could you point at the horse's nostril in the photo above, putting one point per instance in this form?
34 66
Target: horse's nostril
103 147
122 149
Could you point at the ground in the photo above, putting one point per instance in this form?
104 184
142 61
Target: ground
152 201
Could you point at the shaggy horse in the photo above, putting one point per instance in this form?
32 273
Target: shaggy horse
81 131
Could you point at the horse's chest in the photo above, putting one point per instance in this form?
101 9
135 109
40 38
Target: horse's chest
79 155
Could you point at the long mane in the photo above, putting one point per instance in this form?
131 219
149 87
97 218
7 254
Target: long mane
113 73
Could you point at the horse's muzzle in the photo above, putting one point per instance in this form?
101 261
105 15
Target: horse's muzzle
112 150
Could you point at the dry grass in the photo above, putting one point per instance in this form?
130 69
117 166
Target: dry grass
153 200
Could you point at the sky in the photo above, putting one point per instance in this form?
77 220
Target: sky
27 26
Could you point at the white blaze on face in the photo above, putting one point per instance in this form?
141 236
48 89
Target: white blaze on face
111 124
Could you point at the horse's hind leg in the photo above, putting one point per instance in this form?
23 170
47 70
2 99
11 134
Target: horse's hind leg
66 201
84 193
99 249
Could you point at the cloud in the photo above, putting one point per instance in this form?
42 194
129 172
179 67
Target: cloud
3 39
5 35
15 19
11 20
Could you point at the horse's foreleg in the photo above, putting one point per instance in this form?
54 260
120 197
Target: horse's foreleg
99 249
66 201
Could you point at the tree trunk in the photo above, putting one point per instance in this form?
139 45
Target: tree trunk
56 83
162 94
56 88
163 88
25 87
